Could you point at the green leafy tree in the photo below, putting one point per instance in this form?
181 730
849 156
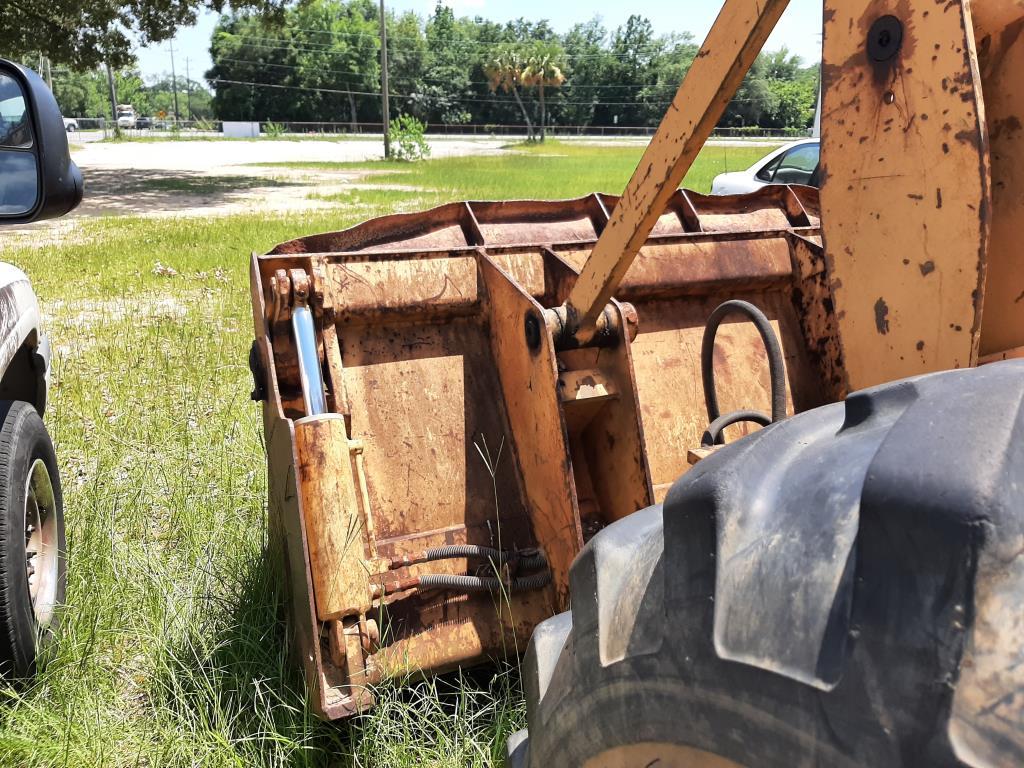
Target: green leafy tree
447 76
667 71
318 60
85 33
407 62
780 65
317 63
252 70
343 54
794 102
635 51
588 61
81 94
754 100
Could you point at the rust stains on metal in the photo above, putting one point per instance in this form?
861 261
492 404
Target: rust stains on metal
882 316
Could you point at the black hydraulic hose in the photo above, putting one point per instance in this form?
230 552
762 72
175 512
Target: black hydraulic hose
483 583
713 434
528 559
776 369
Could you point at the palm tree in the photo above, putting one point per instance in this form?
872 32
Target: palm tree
505 71
544 69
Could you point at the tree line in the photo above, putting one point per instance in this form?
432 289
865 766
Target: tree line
320 61
86 94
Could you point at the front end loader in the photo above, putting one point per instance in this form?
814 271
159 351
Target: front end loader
460 402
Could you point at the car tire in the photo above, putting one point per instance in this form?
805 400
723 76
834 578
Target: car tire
32 540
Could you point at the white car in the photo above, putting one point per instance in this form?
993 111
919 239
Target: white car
70 124
38 180
795 163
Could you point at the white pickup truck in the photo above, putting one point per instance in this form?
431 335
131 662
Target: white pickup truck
37 180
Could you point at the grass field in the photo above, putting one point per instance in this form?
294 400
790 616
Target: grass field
549 170
172 651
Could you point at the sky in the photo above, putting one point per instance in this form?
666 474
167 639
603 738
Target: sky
799 29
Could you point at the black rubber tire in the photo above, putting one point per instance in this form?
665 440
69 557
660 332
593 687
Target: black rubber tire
23 440
930 667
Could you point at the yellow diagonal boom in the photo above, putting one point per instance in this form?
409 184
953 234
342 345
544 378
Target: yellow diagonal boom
733 43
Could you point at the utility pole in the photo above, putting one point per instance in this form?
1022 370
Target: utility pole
113 100
49 74
188 90
174 83
385 112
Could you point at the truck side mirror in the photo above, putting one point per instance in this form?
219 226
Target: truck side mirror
38 179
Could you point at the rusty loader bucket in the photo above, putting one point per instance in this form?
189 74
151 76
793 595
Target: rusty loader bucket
437 460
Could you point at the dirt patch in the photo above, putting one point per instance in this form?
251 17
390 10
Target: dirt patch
213 178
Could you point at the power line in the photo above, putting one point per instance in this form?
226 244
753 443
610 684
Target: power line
568 84
296 87
658 43
295 44
415 96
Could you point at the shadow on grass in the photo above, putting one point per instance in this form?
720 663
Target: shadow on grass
119 191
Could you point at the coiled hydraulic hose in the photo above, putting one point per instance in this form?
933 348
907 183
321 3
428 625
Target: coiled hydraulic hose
484 583
527 559
714 435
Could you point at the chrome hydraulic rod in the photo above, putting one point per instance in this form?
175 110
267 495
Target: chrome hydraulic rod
309 361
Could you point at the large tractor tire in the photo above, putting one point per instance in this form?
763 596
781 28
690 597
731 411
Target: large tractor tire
842 588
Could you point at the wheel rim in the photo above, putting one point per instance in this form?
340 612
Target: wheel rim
41 542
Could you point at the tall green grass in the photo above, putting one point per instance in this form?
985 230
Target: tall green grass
551 170
173 652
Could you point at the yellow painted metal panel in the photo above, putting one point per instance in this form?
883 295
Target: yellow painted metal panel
905 197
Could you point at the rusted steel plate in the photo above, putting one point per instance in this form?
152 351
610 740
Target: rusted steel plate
371 291
905 185
666 352
998 27
537 433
